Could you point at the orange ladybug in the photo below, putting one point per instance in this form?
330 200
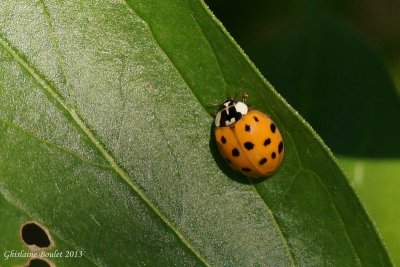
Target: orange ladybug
248 139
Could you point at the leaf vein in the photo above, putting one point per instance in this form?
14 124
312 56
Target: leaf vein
289 187
211 48
103 151
131 9
47 142
337 213
276 225
59 57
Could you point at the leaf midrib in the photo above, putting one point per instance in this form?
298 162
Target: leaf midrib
103 151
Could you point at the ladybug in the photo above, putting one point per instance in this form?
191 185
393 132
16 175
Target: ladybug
248 139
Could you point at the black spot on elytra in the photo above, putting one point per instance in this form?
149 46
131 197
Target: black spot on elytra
235 152
33 234
280 147
246 169
262 161
267 142
247 128
273 155
249 145
223 140
273 127
255 118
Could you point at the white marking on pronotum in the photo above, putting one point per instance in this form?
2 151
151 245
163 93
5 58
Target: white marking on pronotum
217 119
232 121
241 107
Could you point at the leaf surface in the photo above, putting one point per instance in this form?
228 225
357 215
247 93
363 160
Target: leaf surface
106 141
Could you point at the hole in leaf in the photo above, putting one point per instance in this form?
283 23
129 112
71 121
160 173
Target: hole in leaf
35 235
39 263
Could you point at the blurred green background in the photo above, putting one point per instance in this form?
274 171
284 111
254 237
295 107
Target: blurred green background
338 64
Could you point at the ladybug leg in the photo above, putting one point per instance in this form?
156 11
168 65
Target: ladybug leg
213 106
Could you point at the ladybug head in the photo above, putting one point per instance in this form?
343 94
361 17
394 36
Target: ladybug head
230 112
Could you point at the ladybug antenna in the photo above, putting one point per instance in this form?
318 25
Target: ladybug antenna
245 97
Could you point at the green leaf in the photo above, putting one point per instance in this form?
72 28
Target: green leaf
106 143
377 184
